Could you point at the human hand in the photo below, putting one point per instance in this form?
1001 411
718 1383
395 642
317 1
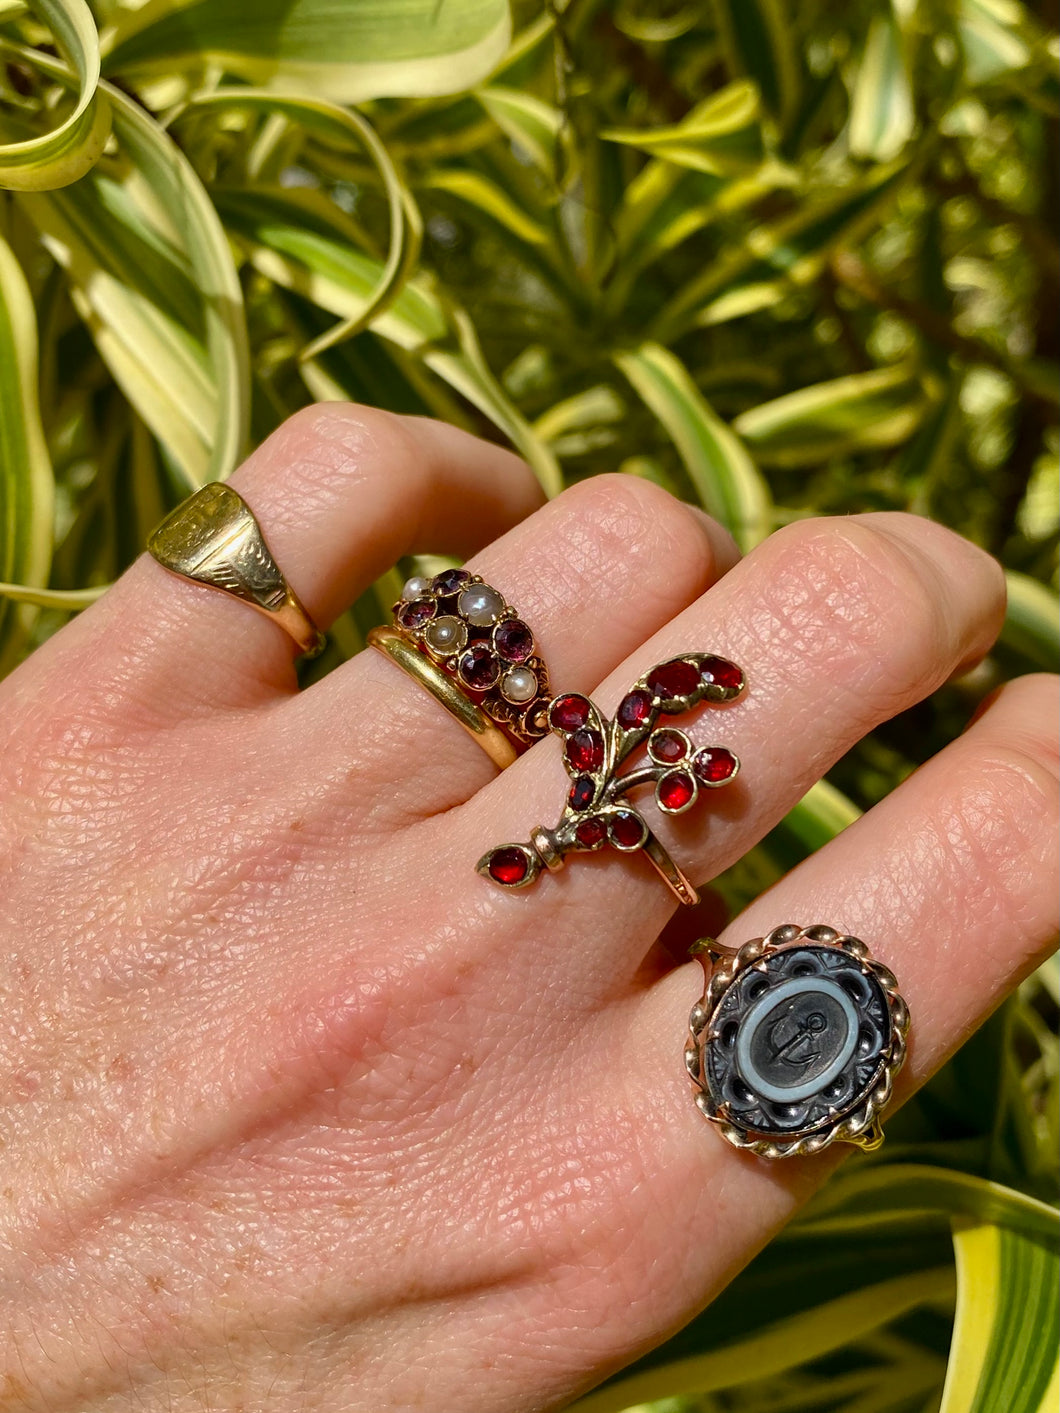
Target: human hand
300 1112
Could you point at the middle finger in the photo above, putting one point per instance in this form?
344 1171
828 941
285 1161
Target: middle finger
838 625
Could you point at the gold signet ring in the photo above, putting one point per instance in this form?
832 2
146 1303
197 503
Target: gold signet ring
213 538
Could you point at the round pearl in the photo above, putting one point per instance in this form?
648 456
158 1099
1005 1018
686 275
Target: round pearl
480 605
415 586
519 685
446 635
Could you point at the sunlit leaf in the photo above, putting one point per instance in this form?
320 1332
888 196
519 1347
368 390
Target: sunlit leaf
855 413
990 37
26 484
721 135
345 53
491 200
882 119
1032 621
532 126
1007 1327
725 477
68 150
821 814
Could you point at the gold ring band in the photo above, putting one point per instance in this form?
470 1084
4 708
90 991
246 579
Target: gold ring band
214 539
442 687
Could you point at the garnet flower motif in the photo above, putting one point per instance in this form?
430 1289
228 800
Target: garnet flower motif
597 812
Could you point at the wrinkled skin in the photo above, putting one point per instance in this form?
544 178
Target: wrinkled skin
298 1112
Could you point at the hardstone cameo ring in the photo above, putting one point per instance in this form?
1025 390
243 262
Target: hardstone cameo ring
796 1042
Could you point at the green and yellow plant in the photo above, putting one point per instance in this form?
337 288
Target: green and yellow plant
784 257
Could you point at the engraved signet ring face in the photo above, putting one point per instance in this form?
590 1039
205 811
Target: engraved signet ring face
213 538
796 1043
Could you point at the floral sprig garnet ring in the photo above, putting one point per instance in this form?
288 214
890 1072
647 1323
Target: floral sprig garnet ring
597 812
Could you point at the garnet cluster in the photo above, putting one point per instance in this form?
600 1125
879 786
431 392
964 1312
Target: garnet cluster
469 629
596 811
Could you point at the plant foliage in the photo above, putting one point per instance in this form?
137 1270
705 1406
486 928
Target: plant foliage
784 257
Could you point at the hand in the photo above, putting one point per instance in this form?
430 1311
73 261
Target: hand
299 1111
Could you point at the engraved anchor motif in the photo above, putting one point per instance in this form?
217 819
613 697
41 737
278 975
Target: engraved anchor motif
597 812
792 1040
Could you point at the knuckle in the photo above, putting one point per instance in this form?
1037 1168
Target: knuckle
615 519
847 596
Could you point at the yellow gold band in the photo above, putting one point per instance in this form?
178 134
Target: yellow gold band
397 646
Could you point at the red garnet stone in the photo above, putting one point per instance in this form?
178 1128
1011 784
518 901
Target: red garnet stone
581 793
674 679
479 668
634 709
585 750
591 833
676 790
508 866
714 765
449 581
627 830
417 613
513 640
719 672
668 746
569 713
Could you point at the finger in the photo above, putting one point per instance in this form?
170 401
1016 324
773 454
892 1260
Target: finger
952 883
340 492
593 573
838 625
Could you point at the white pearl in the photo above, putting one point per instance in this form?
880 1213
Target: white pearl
446 635
480 605
519 685
415 587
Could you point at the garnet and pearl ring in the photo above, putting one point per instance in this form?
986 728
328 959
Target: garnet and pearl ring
597 812
476 656
796 1042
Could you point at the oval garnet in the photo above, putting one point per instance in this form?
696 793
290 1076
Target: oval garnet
627 830
634 709
719 672
675 791
591 833
674 679
582 792
509 865
450 580
668 746
417 613
585 750
479 668
715 764
570 712
513 640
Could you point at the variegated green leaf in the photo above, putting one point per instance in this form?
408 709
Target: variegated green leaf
757 39
882 118
484 195
723 474
821 814
754 274
990 37
320 49
343 126
1007 1327
1032 621
64 153
153 277
855 413
26 483
721 135
532 126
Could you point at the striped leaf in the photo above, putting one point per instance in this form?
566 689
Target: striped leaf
532 126
1007 1326
756 36
855 413
26 483
1032 622
722 135
66 152
882 118
318 48
726 479
152 275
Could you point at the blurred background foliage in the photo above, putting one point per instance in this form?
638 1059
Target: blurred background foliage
783 257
